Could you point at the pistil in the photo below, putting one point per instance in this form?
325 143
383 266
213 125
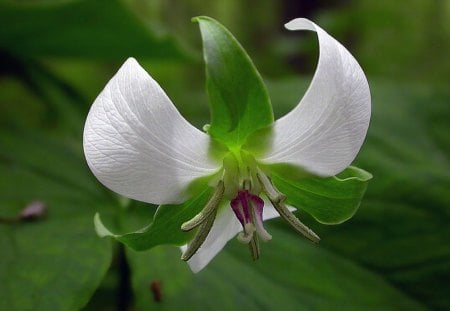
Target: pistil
248 209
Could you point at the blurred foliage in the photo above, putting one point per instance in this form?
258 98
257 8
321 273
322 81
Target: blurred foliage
408 41
55 57
80 29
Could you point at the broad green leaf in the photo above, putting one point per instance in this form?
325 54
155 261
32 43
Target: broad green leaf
79 28
238 98
55 262
292 274
401 230
166 225
329 200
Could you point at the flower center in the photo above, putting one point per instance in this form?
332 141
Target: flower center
242 183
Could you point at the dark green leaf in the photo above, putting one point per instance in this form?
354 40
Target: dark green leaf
239 101
329 200
56 261
80 28
401 230
292 274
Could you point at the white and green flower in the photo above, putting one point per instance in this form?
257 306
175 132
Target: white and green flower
246 168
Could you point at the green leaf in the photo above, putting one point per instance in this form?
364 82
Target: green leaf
80 28
279 280
166 225
330 200
401 230
54 262
239 101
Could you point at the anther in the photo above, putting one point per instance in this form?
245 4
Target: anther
200 236
272 193
210 207
287 215
277 199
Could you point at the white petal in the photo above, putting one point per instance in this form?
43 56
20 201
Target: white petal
138 144
325 131
226 226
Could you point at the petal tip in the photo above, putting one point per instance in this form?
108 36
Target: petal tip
131 60
299 23
290 25
131 63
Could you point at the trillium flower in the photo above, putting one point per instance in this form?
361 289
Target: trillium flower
245 168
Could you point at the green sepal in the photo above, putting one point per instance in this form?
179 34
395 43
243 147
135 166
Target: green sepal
165 227
239 100
330 200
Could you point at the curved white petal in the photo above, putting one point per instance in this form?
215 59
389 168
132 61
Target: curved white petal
138 144
225 227
325 131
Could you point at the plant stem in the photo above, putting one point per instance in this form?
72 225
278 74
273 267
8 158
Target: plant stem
125 294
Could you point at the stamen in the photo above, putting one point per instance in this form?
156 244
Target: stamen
277 198
272 193
256 185
200 236
212 205
295 222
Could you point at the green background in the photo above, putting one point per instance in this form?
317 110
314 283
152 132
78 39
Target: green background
56 56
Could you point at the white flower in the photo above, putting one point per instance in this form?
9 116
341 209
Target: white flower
138 145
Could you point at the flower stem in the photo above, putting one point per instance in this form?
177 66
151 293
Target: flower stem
124 291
